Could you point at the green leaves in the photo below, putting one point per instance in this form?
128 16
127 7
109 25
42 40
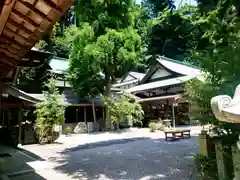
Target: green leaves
174 33
112 54
84 69
101 14
50 112
124 108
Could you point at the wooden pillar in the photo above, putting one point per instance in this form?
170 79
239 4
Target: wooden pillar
173 115
85 115
1 100
103 110
77 120
20 126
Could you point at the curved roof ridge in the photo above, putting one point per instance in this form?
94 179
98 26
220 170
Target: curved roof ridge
180 62
178 67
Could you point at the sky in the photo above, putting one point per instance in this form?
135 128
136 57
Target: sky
193 2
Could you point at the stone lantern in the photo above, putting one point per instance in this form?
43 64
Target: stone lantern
227 109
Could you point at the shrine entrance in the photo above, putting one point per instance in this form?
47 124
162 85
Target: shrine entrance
166 108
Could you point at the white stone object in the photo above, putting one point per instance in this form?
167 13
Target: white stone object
226 109
90 127
79 127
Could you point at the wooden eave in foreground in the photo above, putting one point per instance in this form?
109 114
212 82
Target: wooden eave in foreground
22 24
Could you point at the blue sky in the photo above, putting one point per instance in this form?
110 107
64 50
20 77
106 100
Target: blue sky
177 2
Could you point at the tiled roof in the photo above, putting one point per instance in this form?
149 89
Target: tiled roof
137 75
58 64
161 83
125 83
183 68
67 99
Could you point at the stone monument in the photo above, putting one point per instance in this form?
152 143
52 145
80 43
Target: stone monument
227 109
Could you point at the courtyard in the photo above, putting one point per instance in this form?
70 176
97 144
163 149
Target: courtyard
132 154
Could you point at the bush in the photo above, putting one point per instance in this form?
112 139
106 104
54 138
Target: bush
206 167
152 127
84 130
68 130
49 113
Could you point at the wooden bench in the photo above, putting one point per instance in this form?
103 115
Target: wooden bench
177 134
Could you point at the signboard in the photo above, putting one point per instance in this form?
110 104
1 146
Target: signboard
165 90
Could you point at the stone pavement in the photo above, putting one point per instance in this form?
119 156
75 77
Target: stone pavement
134 154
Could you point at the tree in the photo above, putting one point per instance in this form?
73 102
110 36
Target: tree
112 14
154 7
49 113
217 54
209 5
175 33
84 70
116 52
123 109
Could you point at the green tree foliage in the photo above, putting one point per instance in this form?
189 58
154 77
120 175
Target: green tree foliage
155 7
218 55
60 43
175 33
49 112
84 69
123 109
209 5
112 14
116 52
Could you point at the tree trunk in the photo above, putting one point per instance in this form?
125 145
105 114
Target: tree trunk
94 113
107 94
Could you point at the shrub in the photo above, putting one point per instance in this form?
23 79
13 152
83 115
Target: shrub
123 109
68 130
49 113
206 167
84 130
152 127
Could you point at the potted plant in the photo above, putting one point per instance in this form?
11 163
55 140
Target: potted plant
68 131
152 127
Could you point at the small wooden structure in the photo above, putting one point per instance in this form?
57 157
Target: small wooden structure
177 134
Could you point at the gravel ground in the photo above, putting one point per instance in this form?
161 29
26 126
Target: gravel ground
124 156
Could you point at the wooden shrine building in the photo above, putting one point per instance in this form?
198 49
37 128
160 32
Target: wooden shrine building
78 109
161 90
22 24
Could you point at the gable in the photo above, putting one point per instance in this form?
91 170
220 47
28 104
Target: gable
128 78
164 68
160 72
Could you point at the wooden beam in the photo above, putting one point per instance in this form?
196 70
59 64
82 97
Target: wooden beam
21 26
9 54
54 6
5 14
6 59
15 43
19 36
25 24
35 10
25 18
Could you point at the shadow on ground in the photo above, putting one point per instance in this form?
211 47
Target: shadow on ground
132 159
103 143
16 166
